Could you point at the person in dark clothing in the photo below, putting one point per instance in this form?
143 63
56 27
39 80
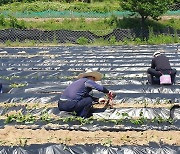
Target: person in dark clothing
160 65
0 88
76 97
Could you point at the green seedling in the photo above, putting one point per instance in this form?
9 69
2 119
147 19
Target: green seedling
20 118
108 142
23 142
45 117
18 85
9 119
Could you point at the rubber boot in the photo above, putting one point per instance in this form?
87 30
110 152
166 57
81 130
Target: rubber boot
150 79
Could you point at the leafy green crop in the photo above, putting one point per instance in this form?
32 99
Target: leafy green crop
18 85
45 117
20 118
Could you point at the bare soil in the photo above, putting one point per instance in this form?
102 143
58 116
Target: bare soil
115 105
12 136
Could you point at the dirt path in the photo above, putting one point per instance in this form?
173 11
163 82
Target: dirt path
12 136
115 105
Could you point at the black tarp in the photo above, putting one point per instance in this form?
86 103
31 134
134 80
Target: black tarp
146 118
45 70
152 148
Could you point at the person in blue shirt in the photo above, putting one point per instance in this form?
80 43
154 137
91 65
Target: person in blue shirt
76 97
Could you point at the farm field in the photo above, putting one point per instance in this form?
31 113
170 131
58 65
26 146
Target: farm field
143 117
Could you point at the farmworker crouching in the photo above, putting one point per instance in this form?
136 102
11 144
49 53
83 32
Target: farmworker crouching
76 97
161 71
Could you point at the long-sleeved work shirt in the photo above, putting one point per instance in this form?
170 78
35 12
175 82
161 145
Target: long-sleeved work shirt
81 89
160 62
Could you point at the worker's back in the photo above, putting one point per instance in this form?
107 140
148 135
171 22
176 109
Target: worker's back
161 62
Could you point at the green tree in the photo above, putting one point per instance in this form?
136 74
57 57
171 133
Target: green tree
147 8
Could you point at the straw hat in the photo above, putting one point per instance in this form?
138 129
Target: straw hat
95 74
156 53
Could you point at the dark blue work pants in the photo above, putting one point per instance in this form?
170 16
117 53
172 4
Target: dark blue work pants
82 107
154 73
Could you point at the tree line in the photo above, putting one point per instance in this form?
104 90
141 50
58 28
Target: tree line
144 8
68 1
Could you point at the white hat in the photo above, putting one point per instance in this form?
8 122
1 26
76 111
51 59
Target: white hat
156 53
95 74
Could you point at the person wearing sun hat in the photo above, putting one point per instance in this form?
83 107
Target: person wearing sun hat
76 97
157 53
160 65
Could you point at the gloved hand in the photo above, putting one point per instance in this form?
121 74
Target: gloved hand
111 95
101 100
